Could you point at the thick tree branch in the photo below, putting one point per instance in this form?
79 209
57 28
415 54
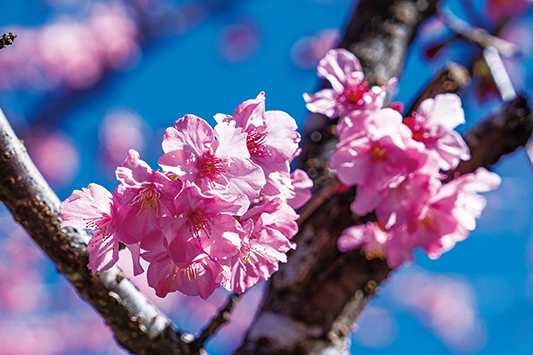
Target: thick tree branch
138 325
314 297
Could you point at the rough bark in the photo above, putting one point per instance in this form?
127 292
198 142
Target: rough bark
138 325
314 299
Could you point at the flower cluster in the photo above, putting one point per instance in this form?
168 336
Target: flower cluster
396 164
221 211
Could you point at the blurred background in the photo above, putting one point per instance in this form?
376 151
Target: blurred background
87 80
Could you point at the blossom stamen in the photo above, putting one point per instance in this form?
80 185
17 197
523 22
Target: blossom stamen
210 166
378 153
355 93
255 141
191 272
147 198
199 223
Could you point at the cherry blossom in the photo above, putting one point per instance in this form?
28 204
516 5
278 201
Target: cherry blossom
201 220
433 124
395 163
268 227
145 195
93 208
349 91
219 212
217 160
380 159
271 136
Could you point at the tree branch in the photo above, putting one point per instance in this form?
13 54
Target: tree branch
138 325
476 35
311 299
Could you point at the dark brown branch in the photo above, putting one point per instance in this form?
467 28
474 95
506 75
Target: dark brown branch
222 318
138 325
7 39
311 299
498 135
450 80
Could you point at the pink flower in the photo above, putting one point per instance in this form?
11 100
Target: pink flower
202 276
271 136
349 88
93 208
294 189
370 237
145 196
202 220
408 200
467 206
265 244
302 186
433 124
381 159
217 160
199 277
451 213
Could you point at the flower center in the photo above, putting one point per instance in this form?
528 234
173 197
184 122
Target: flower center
250 254
255 141
193 271
210 166
147 198
355 93
199 223
428 222
419 133
98 226
378 153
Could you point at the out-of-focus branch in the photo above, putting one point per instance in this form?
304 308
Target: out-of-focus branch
450 80
138 325
498 135
7 39
476 35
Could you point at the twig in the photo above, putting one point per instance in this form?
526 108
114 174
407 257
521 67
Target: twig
7 39
476 35
138 325
223 317
499 74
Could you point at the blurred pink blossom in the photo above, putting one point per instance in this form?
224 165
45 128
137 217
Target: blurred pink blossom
239 42
70 52
444 303
501 10
120 131
307 51
56 155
